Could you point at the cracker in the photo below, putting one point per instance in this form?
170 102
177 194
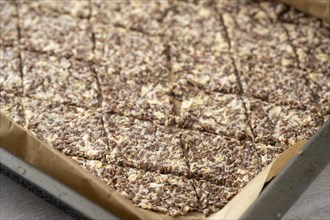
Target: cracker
320 85
205 3
140 16
312 45
63 35
267 153
10 77
145 101
216 113
158 192
8 23
59 79
197 30
211 74
278 85
212 198
11 107
133 74
143 145
220 160
131 54
72 130
309 35
149 102
248 11
252 33
74 8
280 125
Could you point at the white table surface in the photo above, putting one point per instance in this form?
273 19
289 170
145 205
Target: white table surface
17 202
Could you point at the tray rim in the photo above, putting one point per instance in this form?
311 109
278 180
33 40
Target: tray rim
294 179
30 177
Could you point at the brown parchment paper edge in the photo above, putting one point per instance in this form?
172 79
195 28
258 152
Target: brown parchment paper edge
21 143
317 8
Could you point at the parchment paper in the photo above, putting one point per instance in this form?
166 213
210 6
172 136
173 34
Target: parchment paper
24 145
317 8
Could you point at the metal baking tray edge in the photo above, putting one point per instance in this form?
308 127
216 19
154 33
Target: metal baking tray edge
276 198
281 193
50 189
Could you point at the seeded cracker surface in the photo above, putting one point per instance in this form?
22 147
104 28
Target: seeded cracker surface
221 114
278 85
48 30
149 190
144 145
72 130
9 32
60 79
10 78
176 105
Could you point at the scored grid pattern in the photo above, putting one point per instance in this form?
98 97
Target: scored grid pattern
184 60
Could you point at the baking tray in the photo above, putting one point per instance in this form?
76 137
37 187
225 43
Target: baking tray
276 198
50 189
280 194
